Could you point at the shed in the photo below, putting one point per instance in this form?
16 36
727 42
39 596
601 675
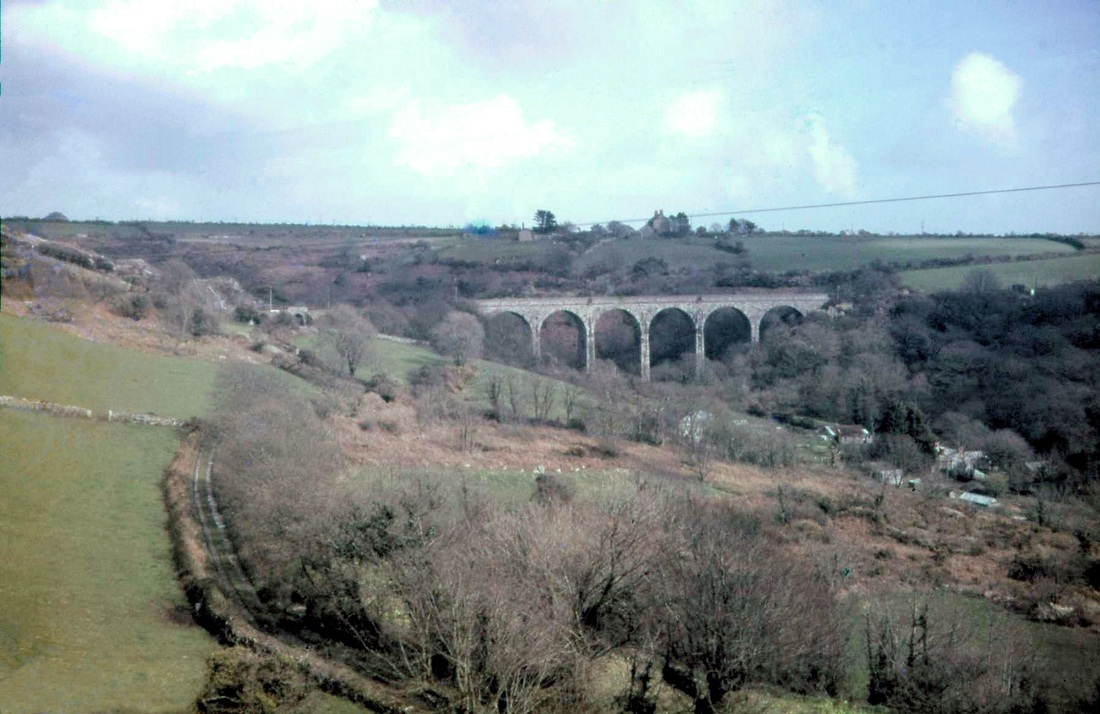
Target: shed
978 500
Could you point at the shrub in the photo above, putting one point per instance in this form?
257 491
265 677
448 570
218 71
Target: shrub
311 358
384 386
553 489
238 680
325 405
131 305
247 314
606 449
428 376
202 323
67 254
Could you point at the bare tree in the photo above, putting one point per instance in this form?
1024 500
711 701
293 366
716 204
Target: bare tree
175 275
494 391
731 609
459 336
699 441
348 333
515 395
607 385
935 656
981 281
543 397
187 308
571 394
483 606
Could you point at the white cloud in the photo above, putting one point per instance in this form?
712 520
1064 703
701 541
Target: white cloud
487 135
834 166
141 26
287 33
983 94
202 36
696 115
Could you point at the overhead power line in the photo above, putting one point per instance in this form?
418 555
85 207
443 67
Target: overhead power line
867 202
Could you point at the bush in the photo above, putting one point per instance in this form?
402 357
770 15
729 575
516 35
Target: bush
238 680
553 489
202 323
247 315
131 305
384 386
428 376
311 358
67 254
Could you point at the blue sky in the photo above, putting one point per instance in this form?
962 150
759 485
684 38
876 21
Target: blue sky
439 113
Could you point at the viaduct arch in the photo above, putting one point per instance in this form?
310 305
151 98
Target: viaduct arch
587 311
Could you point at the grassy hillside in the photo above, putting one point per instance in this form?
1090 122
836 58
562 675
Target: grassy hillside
489 250
91 615
1032 273
814 253
39 361
399 359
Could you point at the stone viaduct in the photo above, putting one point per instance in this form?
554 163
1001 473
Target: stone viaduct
643 309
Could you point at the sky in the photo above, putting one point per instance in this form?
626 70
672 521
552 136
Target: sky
405 112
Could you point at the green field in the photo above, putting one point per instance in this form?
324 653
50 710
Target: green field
39 361
1032 273
678 254
779 254
489 250
88 590
398 359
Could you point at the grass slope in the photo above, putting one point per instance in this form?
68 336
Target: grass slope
398 359
814 253
1032 273
490 250
86 582
39 361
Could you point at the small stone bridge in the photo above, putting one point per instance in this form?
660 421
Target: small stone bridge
587 311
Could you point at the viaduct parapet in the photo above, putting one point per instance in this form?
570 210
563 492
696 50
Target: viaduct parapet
643 309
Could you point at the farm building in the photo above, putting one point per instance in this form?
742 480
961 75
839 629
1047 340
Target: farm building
845 434
960 463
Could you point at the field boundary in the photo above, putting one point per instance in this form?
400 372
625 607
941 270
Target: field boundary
74 412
